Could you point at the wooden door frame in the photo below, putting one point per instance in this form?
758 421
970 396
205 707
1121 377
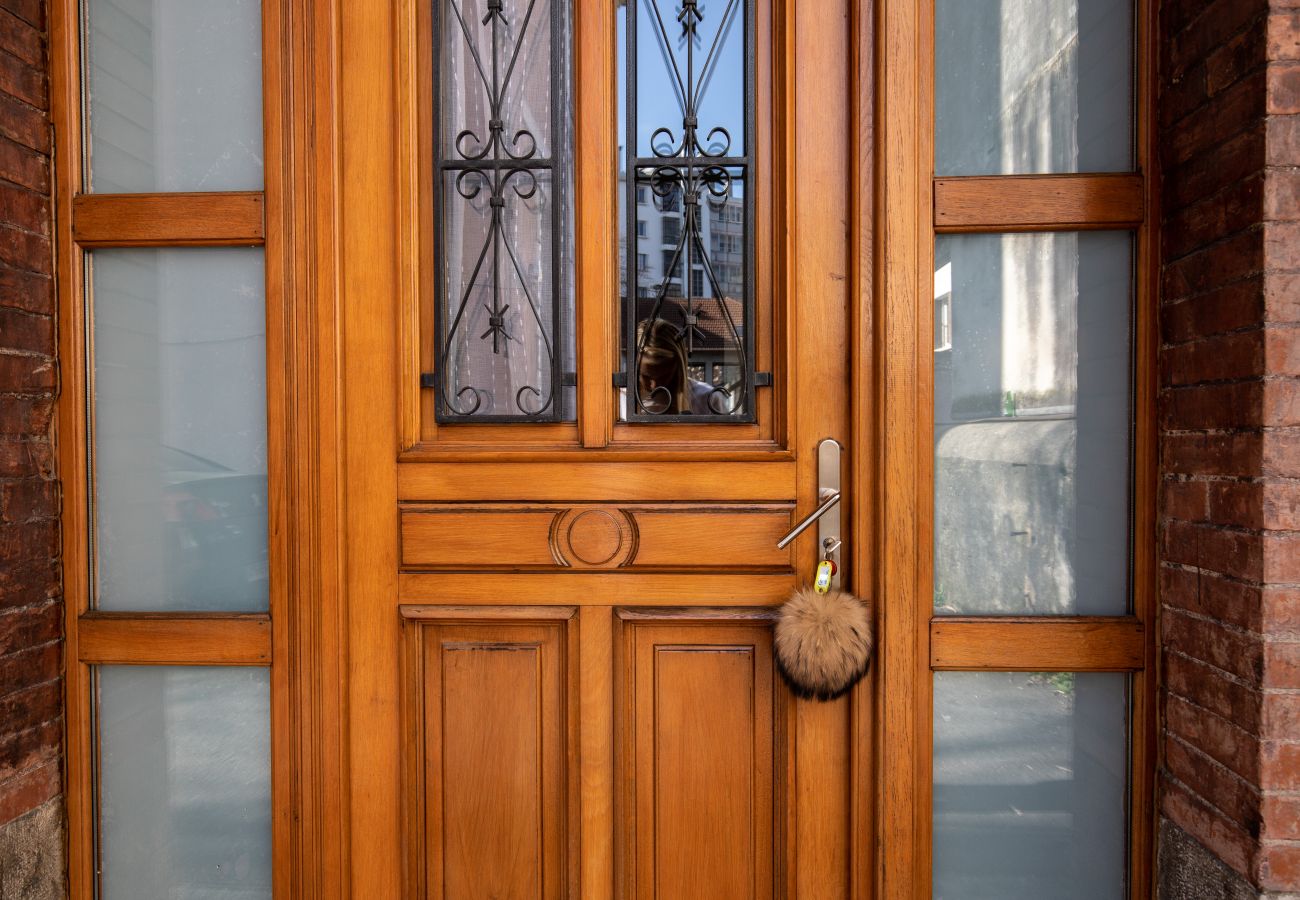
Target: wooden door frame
320 421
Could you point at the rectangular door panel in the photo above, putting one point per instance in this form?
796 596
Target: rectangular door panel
487 744
699 733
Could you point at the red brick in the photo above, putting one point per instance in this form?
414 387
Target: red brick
1219 265
1214 24
1282 297
1205 686
1283 36
1206 594
26 791
1282 664
26 291
1282 246
1235 208
1207 640
29 748
1226 839
21 39
1231 308
1281 507
1278 868
1239 158
1235 503
1236 109
24 458
30 11
1280 817
1216 358
31 666
23 81
1281 557
22 501
1234 553
25 415
30 706
1279 766
1238 453
1237 404
1244 53
1283 140
1235 798
1280 610
1283 89
26 332
29 626
1185 500
1281 402
1281 453
1215 736
24 124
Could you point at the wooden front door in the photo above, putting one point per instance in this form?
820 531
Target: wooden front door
580 407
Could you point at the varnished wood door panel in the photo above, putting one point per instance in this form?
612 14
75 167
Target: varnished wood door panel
488 741
699 731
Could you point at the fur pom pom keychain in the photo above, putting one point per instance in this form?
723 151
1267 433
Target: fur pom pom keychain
823 642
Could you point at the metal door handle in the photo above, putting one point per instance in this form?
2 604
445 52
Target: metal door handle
828 501
829 498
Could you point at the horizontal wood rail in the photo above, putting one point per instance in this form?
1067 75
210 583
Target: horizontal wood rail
594 588
161 639
1037 202
168 220
1041 644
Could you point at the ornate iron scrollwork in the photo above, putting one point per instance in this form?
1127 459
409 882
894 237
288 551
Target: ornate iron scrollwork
705 180
494 167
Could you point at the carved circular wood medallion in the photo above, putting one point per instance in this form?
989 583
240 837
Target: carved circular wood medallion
595 537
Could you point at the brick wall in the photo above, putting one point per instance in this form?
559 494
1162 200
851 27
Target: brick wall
30 603
1230 457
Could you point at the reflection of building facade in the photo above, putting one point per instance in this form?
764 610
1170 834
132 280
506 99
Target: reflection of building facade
684 279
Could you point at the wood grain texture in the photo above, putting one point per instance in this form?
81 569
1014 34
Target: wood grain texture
488 746
598 481
1038 202
595 588
168 220
179 640
1038 645
698 719
680 537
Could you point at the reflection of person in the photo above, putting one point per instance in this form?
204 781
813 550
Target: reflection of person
663 381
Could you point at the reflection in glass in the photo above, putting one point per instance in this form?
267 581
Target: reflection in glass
505 294
1030 86
1032 419
1030 785
685 76
184 782
174 95
179 429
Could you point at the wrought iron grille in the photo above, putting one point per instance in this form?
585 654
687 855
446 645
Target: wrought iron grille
688 341
502 208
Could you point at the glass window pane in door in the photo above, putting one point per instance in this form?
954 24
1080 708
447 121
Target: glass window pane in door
1032 423
1033 86
184 782
686 88
173 95
1030 785
505 315
179 429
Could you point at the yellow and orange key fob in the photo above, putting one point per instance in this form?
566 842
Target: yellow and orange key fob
822 581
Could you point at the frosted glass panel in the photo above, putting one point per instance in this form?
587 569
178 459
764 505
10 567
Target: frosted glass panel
184 782
180 429
174 93
1030 785
1028 86
1032 410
